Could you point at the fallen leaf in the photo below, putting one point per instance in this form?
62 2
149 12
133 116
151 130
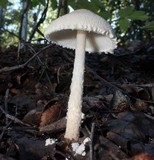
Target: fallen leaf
142 156
51 113
120 101
33 117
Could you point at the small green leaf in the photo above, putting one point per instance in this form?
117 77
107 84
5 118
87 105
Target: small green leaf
105 14
80 4
94 5
125 12
3 4
72 4
87 5
149 26
54 4
36 2
124 24
42 2
99 4
138 15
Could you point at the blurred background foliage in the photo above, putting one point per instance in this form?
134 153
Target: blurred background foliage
24 21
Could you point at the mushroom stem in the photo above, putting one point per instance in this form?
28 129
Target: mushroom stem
74 112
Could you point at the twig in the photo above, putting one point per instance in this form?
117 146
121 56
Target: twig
7 69
149 116
114 157
10 32
58 71
63 6
25 10
6 103
34 52
91 156
102 80
149 85
4 129
16 120
51 85
41 20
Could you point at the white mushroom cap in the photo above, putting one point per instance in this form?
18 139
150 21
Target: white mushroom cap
100 37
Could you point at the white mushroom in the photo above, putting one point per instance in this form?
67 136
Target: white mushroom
81 30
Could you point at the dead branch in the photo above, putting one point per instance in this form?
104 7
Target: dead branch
62 8
14 119
10 32
102 80
41 20
4 129
6 103
22 17
91 155
7 69
54 127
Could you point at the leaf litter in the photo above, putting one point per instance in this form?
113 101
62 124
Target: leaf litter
118 104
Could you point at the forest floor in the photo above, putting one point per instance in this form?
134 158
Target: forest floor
118 103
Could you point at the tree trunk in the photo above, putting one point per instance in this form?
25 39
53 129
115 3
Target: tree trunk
1 17
24 22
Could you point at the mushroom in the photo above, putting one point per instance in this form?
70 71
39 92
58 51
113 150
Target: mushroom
81 30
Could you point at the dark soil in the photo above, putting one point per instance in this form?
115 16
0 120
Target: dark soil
118 103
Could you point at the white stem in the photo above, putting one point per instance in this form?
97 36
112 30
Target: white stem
74 112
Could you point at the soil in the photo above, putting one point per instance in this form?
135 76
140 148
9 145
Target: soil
118 104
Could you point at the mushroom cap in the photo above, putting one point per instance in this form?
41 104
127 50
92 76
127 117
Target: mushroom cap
100 37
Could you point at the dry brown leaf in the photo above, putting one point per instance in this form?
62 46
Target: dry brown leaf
152 93
136 91
142 156
15 91
54 127
52 112
42 90
33 117
140 105
120 101
5 157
